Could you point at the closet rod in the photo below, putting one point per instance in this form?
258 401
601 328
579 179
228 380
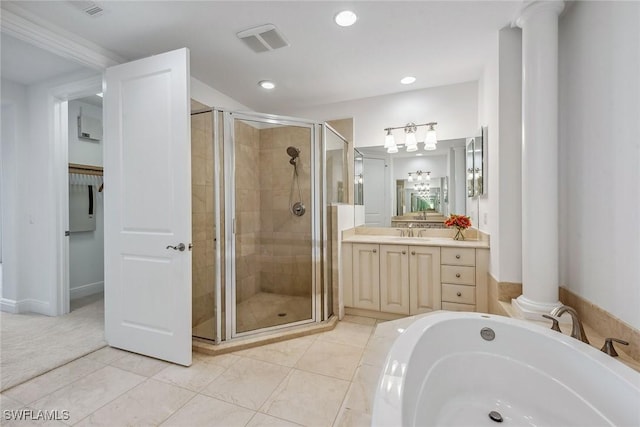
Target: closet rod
85 169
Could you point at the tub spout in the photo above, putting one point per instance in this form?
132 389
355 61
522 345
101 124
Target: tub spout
577 331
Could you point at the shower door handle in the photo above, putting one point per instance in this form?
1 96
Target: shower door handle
181 247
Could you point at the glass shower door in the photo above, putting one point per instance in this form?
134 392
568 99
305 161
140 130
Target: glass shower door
273 270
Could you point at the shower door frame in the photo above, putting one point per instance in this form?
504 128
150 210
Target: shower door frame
319 302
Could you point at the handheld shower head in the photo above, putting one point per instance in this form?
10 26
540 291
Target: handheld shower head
294 153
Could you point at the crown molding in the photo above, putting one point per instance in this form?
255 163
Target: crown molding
22 24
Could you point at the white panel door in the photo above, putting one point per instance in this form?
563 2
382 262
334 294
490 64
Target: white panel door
394 279
366 276
147 207
375 193
424 279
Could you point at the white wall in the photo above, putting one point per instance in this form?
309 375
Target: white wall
214 98
437 165
83 151
86 248
599 92
14 133
500 111
454 107
32 209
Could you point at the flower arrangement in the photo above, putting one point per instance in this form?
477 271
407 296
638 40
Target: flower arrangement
460 222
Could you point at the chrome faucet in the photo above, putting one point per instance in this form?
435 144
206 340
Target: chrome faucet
410 232
577 331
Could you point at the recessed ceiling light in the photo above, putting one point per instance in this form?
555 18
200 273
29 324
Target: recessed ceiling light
346 18
408 80
266 84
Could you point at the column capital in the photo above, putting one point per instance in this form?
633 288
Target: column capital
531 8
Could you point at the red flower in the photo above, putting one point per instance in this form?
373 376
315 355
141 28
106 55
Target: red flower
459 221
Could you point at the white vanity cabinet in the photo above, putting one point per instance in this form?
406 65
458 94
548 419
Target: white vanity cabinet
398 279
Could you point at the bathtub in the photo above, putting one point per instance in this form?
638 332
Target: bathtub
473 369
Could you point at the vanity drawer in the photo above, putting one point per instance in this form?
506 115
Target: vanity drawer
461 294
458 274
452 306
458 256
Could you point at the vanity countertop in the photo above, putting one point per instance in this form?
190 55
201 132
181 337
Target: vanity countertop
418 241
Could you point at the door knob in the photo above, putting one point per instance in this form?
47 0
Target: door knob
181 247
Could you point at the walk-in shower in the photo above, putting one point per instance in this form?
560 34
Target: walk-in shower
259 224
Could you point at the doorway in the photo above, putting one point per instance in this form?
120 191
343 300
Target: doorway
86 203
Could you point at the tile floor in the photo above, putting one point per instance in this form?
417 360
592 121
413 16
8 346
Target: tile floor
315 380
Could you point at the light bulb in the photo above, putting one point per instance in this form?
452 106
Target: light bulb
410 177
393 149
431 139
410 140
389 140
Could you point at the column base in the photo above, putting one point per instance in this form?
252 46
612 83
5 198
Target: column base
532 310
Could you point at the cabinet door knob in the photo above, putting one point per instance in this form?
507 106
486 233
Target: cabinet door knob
404 252
375 250
458 256
458 275
413 252
459 294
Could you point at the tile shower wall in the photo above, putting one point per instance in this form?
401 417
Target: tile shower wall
203 231
285 238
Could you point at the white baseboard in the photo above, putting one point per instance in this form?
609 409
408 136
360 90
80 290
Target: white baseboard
86 290
25 306
8 305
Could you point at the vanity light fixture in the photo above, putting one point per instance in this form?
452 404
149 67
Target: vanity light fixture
410 130
346 18
267 84
419 177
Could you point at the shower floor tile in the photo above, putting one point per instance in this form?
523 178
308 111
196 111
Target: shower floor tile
265 309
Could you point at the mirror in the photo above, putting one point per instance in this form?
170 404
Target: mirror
447 192
475 164
358 173
336 166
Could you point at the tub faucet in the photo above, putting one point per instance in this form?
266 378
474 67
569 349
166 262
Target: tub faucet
577 331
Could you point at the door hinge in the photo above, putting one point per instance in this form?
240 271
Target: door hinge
67 233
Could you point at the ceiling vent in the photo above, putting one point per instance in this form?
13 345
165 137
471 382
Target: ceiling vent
88 7
263 38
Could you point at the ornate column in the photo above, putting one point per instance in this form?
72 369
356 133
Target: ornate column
540 270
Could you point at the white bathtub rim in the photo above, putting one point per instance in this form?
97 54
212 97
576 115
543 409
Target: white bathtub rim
388 406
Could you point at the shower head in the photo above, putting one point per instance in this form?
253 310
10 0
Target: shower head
293 152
